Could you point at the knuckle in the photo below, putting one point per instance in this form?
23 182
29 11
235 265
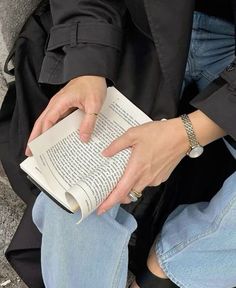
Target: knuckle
148 179
130 133
53 99
125 200
156 182
142 166
47 121
147 166
165 178
139 167
37 122
95 97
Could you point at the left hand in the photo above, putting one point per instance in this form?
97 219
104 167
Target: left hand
157 148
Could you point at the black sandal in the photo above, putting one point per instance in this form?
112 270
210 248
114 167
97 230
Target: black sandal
147 279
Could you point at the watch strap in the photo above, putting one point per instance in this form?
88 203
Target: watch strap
189 130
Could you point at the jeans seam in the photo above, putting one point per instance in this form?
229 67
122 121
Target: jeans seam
164 267
209 76
213 228
115 281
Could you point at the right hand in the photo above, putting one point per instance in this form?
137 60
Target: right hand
86 93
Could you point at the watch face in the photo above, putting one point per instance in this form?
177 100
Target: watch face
195 151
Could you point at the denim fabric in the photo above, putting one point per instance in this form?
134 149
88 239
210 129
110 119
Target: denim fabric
211 50
91 254
197 246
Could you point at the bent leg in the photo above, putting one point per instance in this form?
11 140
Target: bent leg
91 254
197 245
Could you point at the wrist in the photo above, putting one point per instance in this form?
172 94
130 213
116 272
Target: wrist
179 136
205 129
195 149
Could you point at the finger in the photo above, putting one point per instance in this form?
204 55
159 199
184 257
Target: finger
126 200
118 145
136 191
35 130
118 195
87 126
126 183
53 116
47 119
28 152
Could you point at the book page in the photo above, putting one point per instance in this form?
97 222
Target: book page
78 169
30 166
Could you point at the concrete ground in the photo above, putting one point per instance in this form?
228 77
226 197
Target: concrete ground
11 210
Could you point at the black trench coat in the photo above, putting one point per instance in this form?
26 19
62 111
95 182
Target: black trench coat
140 47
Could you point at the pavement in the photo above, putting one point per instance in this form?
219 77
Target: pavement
12 16
11 210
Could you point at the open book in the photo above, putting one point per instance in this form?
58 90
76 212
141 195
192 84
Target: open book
75 174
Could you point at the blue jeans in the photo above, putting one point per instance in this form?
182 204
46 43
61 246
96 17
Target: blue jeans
197 245
91 254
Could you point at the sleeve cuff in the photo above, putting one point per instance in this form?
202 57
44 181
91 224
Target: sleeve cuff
81 49
219 105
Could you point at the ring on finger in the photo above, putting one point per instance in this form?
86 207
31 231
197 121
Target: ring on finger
132 197
95 114
136 193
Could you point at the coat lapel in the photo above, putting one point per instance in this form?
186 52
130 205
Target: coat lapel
171 23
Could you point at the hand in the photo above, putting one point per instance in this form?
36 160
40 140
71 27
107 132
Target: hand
86 93
157 148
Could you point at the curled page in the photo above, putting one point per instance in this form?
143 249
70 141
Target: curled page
89 193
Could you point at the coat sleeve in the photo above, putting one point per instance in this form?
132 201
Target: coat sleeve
218 100
86 39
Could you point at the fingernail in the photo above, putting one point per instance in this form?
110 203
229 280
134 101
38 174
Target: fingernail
27 152
105 152
84 137
100 212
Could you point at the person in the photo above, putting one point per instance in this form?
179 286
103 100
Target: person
154 156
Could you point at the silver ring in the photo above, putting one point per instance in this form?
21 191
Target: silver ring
132 197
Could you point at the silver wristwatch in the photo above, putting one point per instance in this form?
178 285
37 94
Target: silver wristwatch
195 148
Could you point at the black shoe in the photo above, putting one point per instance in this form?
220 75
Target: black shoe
147 279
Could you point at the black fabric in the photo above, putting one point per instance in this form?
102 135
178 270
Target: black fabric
218 8
147 279
75 33
95 40
162 22
59 65
21 107
148 67
222 98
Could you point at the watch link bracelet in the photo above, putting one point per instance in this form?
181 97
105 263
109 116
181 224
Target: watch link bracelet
195 148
